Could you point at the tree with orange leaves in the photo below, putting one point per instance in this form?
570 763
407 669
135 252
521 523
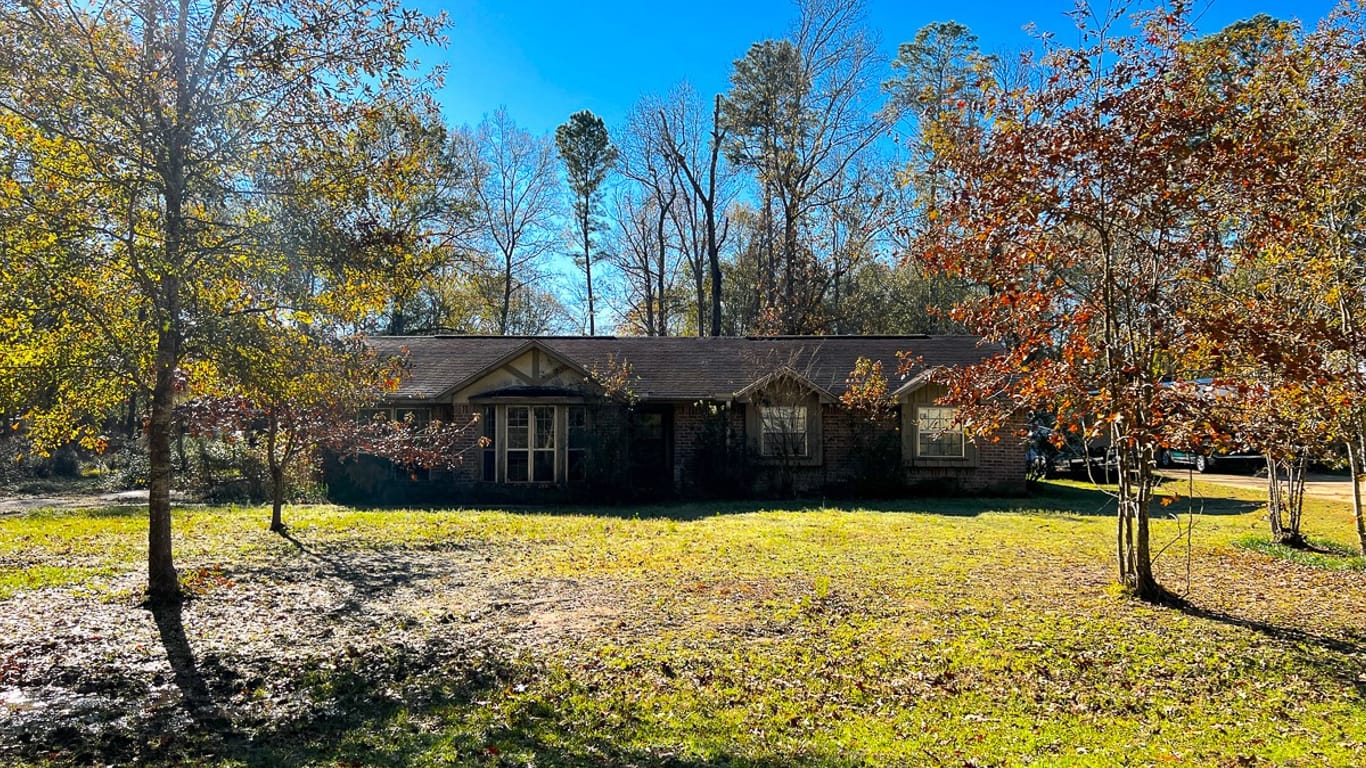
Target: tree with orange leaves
1076 202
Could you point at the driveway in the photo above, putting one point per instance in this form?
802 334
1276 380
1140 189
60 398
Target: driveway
17 504
1322 486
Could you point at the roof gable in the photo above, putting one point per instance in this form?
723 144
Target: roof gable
784 374
529 365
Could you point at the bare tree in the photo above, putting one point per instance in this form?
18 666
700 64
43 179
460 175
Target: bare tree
518 198
848 224
800 112
646 162
695 151
641 252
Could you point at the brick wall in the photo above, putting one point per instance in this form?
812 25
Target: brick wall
852 461
470 468
690 422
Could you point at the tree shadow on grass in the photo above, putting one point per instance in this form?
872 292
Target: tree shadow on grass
1341 658
200 701
432 705
366 574
450 728
1043 498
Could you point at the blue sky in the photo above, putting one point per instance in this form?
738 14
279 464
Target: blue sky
545 59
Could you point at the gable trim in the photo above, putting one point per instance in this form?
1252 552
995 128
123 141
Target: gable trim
785 372
917 382
504 363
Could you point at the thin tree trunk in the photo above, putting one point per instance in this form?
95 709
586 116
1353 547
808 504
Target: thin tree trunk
588 270
277 477
1274 502
713 246
1135 497
1295 499
277 497
701 303
790 245
131 425
1355 460
1145 584
507 297
661 240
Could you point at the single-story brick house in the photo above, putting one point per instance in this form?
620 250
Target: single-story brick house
688 416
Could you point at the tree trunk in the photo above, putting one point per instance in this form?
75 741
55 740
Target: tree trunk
1355 460
277 475
507 297
661 240
1135 497
163 586
701 303
588 268
714 257
1274 500
791 312
713 246
132 425
1295 500
277 497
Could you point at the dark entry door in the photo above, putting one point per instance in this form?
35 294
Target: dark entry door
651 449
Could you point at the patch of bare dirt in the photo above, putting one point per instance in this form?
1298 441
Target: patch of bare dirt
266 647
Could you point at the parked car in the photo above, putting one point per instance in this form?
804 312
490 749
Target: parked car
1206 462
1093 463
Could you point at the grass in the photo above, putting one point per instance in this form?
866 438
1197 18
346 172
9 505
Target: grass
1320 554
921 632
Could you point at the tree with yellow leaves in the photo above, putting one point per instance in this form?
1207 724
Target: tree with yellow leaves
147 146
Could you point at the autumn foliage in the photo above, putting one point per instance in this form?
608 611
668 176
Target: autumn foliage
1154 209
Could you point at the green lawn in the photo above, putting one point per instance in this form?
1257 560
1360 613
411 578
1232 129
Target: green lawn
956 632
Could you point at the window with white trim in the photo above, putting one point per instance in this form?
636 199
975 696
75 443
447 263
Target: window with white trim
529 447
937 433
782 431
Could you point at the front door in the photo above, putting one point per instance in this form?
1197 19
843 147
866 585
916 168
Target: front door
651 449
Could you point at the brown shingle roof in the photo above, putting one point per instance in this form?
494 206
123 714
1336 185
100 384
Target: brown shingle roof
679 367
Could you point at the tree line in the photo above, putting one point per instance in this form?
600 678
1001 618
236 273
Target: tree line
769 208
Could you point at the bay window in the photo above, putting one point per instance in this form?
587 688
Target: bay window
534 443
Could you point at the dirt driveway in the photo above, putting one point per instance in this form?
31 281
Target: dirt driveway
17 504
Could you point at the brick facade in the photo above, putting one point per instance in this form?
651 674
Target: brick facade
697 426
857 457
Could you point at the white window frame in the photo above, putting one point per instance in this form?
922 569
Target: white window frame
934 423
531 448
788 420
